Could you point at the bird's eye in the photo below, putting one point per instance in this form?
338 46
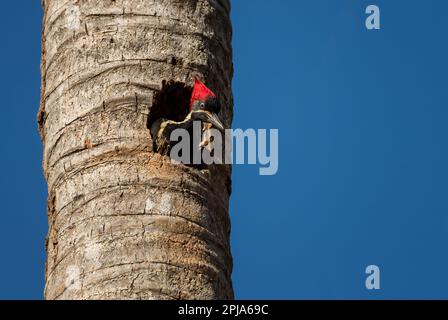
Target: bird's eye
202 105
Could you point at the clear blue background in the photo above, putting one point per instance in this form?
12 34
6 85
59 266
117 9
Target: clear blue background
362 117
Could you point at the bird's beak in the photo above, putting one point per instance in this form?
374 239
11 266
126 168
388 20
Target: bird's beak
213 118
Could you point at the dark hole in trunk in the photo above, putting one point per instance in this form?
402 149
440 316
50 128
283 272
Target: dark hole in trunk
171 102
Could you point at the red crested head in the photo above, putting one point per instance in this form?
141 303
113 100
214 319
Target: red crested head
200 93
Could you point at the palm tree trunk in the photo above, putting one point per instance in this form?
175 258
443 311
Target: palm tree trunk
124 222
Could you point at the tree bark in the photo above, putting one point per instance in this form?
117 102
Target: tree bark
124 222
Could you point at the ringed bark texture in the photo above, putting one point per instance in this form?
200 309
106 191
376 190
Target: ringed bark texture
124 222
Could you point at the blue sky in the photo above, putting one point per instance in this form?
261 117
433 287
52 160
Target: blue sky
362 177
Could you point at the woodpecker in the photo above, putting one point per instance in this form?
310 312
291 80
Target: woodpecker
204 107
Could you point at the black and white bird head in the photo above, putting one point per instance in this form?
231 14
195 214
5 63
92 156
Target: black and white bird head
204 105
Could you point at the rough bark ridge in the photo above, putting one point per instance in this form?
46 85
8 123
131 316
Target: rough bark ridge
123 221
